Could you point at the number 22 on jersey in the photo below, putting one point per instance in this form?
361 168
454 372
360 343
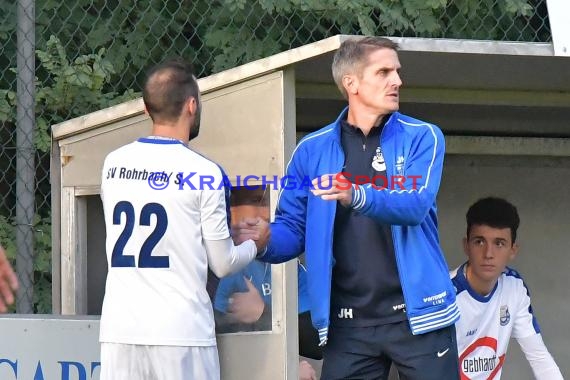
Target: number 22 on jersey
146 259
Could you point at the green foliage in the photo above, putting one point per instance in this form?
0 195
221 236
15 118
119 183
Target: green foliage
73 88
42 258
7 102
8 237
42 265
269 26
488 19
134 33
217 35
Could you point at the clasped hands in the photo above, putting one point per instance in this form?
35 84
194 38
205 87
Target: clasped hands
329 187
256 229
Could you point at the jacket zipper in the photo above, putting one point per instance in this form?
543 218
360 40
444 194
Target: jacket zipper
395 243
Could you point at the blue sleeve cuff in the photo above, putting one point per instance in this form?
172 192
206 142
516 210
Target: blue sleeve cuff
358 197
323 336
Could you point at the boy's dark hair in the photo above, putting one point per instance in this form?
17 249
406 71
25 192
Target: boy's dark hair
167 87
494 212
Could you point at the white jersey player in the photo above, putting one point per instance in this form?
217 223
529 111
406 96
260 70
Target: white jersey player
166 217
493 299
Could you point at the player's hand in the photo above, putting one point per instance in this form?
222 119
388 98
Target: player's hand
264 234
8 282
306 371
256 229
247 307
245 230
333 187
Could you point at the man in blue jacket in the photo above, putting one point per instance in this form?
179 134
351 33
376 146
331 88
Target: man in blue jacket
378 283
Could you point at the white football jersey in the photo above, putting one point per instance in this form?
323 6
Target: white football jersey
487 323
161 201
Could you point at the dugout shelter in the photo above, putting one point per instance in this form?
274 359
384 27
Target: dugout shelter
504 109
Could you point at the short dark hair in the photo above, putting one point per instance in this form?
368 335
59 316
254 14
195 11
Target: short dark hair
352 56
494 212
167 87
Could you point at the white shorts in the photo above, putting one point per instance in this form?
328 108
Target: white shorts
138 362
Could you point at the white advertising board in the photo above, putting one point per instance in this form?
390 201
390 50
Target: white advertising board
42 347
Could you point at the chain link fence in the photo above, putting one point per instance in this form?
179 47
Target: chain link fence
90 54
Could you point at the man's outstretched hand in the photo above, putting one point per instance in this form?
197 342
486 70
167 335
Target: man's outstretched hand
333 187
8 282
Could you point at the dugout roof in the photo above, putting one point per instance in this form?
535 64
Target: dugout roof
488 82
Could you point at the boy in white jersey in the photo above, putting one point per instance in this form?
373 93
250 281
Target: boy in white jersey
166 225
493 299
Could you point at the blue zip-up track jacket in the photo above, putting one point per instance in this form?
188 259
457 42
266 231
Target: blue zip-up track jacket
305 223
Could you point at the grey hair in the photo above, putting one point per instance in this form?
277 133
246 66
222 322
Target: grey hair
352 56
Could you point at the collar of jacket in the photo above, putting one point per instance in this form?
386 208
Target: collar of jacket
388 130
